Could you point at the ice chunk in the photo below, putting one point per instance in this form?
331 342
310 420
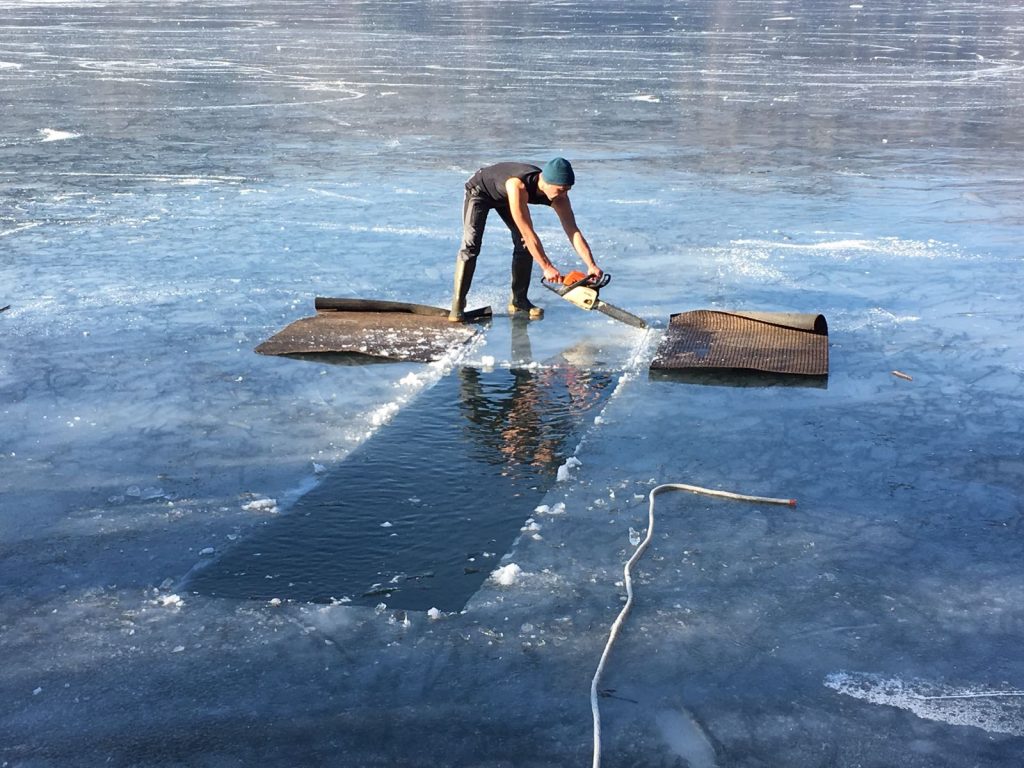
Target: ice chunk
384 414
433 614
261 505
207 551
563 471
507 575
634 536
170 601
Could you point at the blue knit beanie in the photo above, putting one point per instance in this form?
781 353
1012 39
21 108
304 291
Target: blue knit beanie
558 171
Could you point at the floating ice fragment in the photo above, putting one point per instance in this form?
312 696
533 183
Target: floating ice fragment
133 490
507 575
318 469
543 509
380 608
36 692
487 361
275 601
599 419
558 508
634 536
433 614
178 649
207 551
170 601
385 524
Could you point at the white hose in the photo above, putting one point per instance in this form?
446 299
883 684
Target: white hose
627 573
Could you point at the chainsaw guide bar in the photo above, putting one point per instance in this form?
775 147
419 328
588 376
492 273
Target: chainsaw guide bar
585 292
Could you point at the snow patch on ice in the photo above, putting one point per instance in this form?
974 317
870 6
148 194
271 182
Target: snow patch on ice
20 228
52 134
991 709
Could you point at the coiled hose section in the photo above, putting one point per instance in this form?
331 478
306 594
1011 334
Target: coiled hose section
628 578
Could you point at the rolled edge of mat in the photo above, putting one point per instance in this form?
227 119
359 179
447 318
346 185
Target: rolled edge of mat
326 304
813 323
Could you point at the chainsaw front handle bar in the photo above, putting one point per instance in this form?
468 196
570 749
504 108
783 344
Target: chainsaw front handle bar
590 281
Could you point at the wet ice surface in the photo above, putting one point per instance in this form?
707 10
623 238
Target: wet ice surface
179 180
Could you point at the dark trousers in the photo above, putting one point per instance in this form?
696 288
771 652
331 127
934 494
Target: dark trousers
474 218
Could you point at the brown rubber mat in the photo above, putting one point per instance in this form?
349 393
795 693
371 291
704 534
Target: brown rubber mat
384 330
770 342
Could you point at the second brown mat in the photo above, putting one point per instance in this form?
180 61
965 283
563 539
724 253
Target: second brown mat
772 342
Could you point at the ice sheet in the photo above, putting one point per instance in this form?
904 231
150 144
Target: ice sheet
178 180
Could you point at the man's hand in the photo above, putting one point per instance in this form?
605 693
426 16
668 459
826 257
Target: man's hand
551 274
595 271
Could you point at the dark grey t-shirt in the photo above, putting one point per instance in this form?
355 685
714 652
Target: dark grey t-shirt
490 183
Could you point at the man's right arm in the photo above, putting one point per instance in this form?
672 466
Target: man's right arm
521 216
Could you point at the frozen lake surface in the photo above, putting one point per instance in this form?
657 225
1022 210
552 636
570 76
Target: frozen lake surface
179 180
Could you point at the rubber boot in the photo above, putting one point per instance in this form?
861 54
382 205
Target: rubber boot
463 279
522 270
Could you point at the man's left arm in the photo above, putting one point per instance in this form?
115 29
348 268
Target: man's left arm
563 209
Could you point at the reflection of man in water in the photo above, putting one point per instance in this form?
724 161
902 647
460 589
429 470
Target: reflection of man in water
509 188
525 426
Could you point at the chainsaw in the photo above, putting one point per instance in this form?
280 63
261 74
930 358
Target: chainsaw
584 291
